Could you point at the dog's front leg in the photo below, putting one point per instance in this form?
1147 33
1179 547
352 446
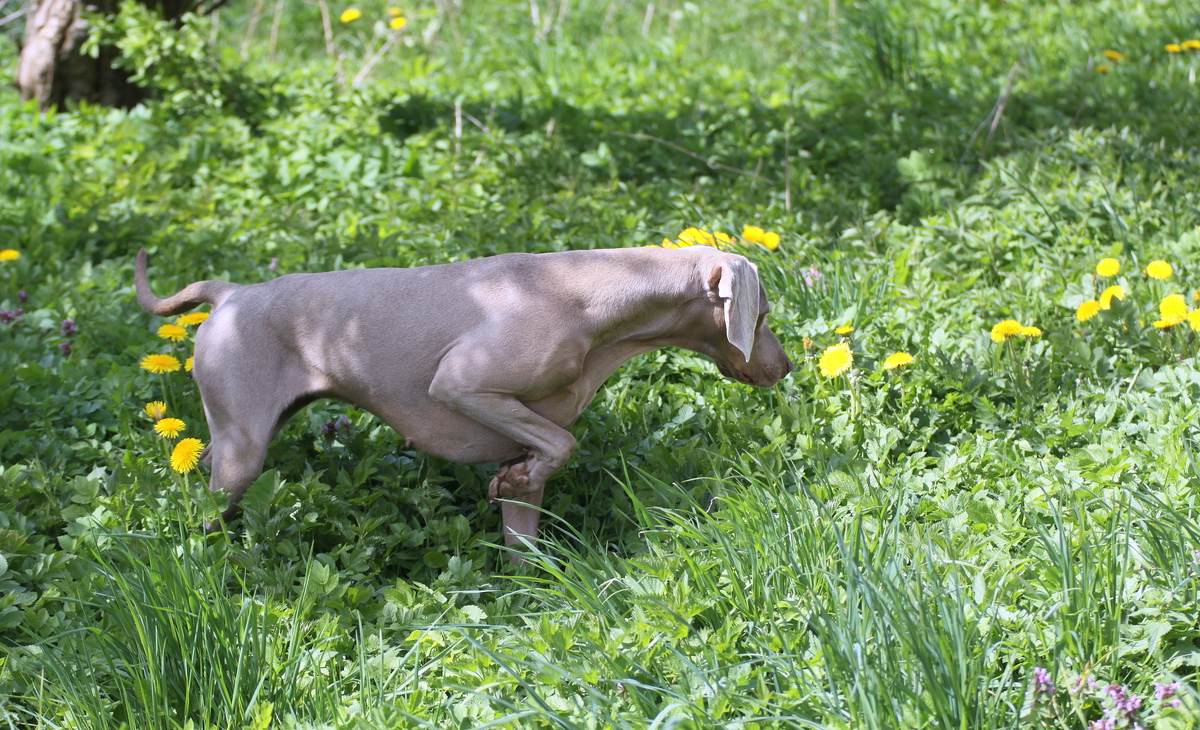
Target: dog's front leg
520 486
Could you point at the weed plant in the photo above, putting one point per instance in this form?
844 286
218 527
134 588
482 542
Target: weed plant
973 504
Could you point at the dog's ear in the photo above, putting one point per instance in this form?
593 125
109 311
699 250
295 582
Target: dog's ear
735 282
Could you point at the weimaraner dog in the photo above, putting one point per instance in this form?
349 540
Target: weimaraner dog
481 361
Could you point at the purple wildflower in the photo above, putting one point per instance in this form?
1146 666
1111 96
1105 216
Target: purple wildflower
273 265
65 347
8 316
68 327
1167 693
812 277
330 429
1042 683
22 297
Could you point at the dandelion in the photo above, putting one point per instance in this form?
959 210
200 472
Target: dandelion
187 364
9 254
156 409
398 22
1087 310
169 428
1108 267
395 12
172 332
1163 324
1191 45
1193 319
836 360
844 329
808 343
188 320
1030 332
159 364
896 360
701 237
1107 295
1173 48
753 234
1103 69
1114 55
1006 329
1160 270
348 15
1173 308
186 455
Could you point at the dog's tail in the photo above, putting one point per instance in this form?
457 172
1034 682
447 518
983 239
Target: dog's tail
213 292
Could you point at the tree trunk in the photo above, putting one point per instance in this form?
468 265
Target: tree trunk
53 71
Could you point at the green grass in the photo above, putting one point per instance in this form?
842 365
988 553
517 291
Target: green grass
884 549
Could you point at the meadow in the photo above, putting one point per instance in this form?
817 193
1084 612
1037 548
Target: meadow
1002 532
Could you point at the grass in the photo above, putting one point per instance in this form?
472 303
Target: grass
884 549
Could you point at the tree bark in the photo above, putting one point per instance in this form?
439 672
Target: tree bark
52 71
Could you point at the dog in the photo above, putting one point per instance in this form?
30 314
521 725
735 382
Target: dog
483 361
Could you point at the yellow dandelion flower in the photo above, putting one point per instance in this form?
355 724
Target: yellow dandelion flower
1160 270
753 234
188 320
1114 55
1163 324
1191 45
1103 69
9 254
172 332
844 329
159 364
1173 48
398 22
722 238
1193 319
770 240
1107 295
156 409
395 12
350 14
1173 308
1003 330
186 455
169 428
187 364
1030 332
896 360
808 343
836 360
1087 310
1108 267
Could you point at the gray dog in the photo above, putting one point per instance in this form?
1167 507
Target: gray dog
480 361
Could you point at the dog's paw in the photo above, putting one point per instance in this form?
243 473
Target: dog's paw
511 482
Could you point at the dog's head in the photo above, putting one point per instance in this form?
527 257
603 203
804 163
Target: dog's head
735 334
